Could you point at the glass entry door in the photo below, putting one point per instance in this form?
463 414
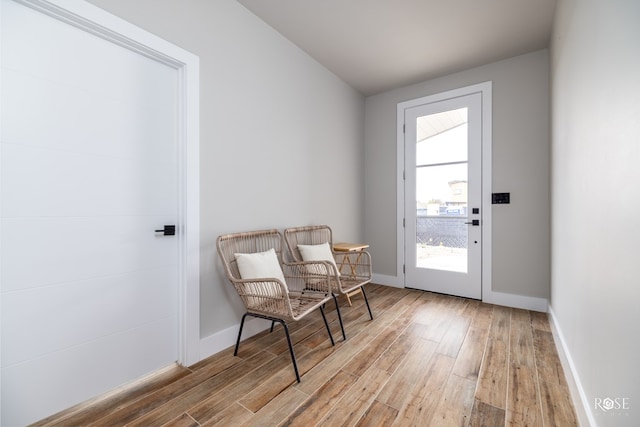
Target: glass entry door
443 196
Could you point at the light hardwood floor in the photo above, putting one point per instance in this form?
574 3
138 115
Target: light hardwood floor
426 359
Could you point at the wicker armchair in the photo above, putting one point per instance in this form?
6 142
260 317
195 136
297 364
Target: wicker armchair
301 288
345 280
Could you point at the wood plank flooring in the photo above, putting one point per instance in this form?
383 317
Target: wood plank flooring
426 359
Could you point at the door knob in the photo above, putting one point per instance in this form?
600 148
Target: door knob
168 230
473 222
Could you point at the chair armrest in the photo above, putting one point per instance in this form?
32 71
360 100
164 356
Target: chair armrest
268 296
316 276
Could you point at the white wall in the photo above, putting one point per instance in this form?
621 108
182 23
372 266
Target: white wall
595 69
281 137
520 166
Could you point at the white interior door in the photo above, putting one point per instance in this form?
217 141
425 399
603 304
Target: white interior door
88 172
443 196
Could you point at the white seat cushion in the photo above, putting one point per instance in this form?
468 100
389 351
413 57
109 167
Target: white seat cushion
260 265
321 252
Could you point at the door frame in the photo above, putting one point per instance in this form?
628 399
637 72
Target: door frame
485 90
98 22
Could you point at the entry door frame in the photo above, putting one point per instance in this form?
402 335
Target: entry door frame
485 90
98 22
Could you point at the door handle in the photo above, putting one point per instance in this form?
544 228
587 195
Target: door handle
168 230
473 222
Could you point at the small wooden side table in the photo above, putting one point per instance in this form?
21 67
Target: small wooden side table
346 261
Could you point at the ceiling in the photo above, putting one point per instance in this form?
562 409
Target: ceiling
377 45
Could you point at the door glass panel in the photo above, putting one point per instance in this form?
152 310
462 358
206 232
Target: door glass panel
442 137
442 244
441 191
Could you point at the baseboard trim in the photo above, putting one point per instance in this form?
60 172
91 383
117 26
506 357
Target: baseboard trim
516 301
491 297
578 395
227 337
382 279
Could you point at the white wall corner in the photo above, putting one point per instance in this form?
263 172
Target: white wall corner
227 337
578 395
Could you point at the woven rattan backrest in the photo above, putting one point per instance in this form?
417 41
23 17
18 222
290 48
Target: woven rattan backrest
246 243
310 235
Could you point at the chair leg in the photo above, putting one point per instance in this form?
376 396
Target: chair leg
326 324
335 299
366 301
273 322
293 356
286 332
235 353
